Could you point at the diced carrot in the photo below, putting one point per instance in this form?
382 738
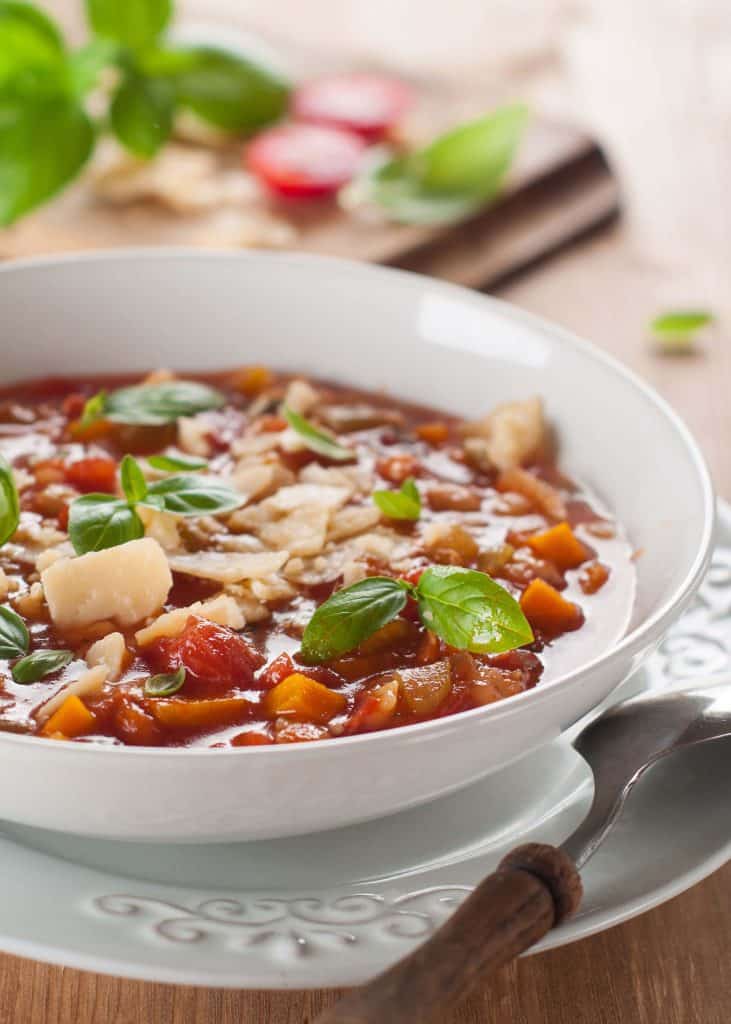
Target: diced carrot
561 546
549 612
433 433
252 380
302 699
200 714
72 719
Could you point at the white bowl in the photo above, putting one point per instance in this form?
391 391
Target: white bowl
377 328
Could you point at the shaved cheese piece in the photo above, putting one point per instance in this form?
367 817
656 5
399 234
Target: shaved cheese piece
88 684
222 610
514 431
4 585
161 526
257 479
126 583
287 499
302 532
229 566
193 435
51 555
111 653
301 397
353 520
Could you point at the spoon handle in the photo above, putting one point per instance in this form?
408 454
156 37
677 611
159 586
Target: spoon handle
534 888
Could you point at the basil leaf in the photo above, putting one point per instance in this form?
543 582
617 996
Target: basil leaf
172 463
165 684
192 496
315 439
39 664
226 89
136 23
453 177
675 332
44 142
402 504
98 521
141 114
14 637
9 503
31 48
156 404
93 409
133 480
351 615
470 611
86 64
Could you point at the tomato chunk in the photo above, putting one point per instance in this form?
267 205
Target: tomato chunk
365 103
217 660
93 474
305 161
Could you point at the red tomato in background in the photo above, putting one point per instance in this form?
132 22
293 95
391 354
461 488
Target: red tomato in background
93 474
361 102
215 658
305 160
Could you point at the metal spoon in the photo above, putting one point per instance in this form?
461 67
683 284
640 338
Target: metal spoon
536 887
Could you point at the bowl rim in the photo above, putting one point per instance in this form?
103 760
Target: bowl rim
642 635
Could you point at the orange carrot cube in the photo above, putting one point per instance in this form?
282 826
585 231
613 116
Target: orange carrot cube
200 714
549 612
302 699
72 719
561 546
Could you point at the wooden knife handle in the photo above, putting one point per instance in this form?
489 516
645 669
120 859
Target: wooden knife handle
534 888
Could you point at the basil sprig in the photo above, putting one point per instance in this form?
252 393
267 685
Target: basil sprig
676 332
466 608
402 504
14 637
98 521
165 684
46 133
9 502
453 177
316 440
152 404
172 463
39 664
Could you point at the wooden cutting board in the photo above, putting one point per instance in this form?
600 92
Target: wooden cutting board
560 187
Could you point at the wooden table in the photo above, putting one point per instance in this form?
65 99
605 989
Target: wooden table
670 966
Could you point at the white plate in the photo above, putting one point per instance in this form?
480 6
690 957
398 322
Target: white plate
334 908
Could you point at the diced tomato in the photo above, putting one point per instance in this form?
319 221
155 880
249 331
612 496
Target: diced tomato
133 724
93 474
365 103
217 660
279 669
73 405
304 161
63 517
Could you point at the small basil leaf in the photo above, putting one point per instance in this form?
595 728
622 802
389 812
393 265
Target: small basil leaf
193 496
44 142
402 504
9 503
165 684
450 179
133 481
226 89
136 23
468 610
172 463
31 48
675 332
98 521
93 409
39 664
141 114
315 439
14 638
86 64
156 404
351 615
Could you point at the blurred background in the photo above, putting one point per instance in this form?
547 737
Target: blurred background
614 209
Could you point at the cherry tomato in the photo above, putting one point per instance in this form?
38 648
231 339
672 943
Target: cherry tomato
365 103
305 160
93 474
216 659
